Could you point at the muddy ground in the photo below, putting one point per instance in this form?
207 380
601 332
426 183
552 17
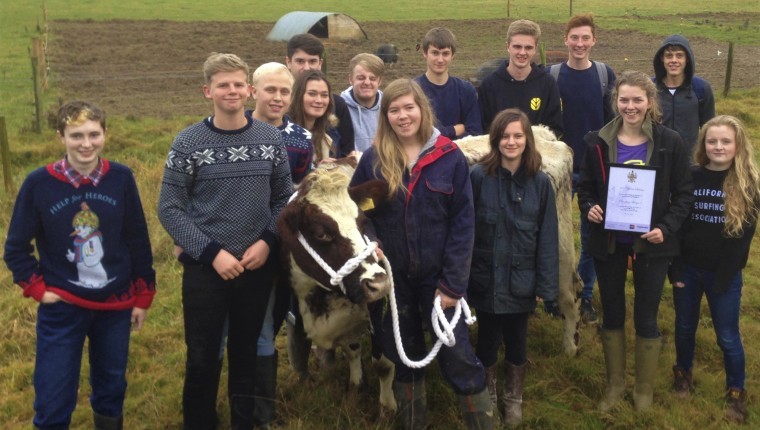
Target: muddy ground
153 68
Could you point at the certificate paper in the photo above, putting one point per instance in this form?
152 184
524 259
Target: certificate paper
630 191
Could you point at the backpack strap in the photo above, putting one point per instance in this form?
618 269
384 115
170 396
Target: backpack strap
554 71
601 71
698 85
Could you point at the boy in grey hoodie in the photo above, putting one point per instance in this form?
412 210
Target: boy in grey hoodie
686 100
363 97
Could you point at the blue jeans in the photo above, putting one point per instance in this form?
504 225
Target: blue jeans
724 309
586 261
61 331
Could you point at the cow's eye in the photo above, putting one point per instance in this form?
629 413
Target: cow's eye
323 237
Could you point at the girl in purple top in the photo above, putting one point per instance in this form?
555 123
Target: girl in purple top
634 137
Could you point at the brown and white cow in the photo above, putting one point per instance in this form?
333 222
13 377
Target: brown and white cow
557 163
325 214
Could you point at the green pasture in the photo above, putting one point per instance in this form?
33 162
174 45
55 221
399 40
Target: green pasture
560 392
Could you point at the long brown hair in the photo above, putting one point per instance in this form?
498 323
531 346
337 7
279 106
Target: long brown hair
742 184
531 158
391 158
298 115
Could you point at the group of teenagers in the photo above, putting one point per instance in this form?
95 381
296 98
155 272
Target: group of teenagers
487 232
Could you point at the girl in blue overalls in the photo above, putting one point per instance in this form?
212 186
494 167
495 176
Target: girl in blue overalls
425 228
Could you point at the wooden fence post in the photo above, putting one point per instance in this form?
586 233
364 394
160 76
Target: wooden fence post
507 8
571 7
5 154
729 69
37 97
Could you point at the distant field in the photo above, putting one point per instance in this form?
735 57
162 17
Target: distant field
737 20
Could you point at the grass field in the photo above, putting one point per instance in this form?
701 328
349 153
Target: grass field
560 392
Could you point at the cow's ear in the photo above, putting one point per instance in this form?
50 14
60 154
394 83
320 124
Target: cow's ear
369 195
288 222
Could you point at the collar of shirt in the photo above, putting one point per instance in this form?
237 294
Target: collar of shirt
75 178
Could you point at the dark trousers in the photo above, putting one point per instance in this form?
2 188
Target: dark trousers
61 331
648 278
493 329
208 302
459 365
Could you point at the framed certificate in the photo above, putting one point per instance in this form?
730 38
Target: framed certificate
630 192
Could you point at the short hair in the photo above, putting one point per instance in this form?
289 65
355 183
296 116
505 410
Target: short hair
530 160
441 38
217 62
368 61
76 113
634 78
524 26
673 47
307 43
581 20
271 69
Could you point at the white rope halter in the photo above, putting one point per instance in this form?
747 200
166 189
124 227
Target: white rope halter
336 278
443 328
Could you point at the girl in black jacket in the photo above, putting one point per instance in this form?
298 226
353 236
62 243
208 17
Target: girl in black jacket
715 247
634 137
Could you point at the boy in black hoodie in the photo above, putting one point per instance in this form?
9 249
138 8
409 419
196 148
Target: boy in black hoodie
521 83
686 100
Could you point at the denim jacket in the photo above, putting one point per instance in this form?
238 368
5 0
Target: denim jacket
427 231
516 254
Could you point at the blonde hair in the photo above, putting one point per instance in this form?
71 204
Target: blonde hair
633 78
217 62
370 62
272 68
391 158
525 27
741 187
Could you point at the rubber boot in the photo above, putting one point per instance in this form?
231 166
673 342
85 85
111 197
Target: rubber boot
477 411
412 404
514 377
647 355
299 347
613 345
493 393
266 386
736 405
103 422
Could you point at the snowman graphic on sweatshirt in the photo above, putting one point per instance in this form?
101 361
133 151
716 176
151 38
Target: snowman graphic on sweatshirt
88 250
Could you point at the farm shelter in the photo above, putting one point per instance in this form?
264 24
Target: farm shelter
325 25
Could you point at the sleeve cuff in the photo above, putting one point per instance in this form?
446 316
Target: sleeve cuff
209 254
449 292
34 288
271 239
144 292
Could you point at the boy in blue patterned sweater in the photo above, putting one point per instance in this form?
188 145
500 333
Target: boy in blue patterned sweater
94 277
225 182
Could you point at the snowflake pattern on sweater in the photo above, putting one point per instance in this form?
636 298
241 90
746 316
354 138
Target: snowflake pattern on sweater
224 189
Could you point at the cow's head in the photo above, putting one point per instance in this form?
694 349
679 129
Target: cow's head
325 213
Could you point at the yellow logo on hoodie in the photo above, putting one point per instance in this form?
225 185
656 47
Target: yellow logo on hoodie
535 103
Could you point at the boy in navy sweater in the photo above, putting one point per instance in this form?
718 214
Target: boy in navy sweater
454 100
94 277
226 179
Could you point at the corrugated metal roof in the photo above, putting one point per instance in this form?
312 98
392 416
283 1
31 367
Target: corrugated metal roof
299 22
